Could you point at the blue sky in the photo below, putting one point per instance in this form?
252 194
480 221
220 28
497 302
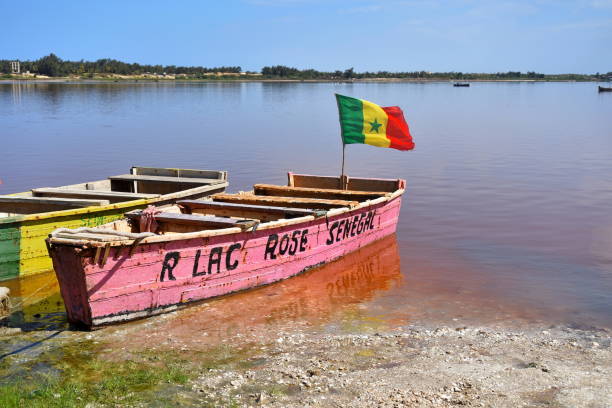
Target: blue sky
549 36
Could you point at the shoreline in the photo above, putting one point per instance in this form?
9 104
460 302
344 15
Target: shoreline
297 366
242 80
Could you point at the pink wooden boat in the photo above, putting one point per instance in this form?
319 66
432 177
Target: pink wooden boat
229 242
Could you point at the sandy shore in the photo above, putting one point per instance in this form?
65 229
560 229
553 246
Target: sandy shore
309 366
422 367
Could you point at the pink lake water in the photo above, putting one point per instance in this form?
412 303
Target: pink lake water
507 216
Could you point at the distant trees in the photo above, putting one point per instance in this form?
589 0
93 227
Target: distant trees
280 71
52 65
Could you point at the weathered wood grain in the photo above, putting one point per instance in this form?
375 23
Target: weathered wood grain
261 212
309 192
112 196
200 221
299 202
165 179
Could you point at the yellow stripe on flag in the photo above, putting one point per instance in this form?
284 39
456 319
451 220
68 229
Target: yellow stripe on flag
375 125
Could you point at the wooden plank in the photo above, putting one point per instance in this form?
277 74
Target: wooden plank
354 183
261 212
303 180
183 173
88 236
66 202
34 205
367 184
193 220
165 179
112 196
298 202
308 192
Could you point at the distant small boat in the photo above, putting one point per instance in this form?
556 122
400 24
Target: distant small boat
27 218
461 84
205 248
604 89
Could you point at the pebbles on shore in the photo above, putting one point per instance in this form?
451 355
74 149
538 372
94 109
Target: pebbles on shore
422 367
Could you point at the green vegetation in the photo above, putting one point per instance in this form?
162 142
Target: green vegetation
115 384
79 378
82 373
53 66
281 71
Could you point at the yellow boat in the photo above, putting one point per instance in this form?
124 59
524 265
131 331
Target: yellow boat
27 218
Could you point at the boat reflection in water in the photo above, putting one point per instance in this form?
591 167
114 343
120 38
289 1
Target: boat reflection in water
355 278
311 297
36 303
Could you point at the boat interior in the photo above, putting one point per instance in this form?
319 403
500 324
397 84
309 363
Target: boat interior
304 195
140 183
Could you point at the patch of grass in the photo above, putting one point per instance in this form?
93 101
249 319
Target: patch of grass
123 384
77 373
86 377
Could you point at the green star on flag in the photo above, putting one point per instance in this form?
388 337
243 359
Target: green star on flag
375 125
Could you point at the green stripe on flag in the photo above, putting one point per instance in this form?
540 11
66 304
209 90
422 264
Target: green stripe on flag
351 119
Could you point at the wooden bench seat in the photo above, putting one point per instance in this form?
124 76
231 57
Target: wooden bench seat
88 236
261 212
165 179
308 192
32 205
297 202
112 196
199 221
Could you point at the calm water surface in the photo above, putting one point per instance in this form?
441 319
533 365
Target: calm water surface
507 216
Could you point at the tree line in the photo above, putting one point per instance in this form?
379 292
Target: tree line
281 71
53 66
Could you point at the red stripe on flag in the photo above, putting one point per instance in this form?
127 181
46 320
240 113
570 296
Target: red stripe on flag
397 129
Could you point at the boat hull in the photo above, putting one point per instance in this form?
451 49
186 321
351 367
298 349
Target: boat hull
160 277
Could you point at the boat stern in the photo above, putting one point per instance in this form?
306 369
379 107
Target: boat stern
69 265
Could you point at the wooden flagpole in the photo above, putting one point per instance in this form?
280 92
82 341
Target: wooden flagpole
343 178
343 146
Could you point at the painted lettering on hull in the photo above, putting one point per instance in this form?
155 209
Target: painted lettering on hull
289 243
216 257
226 258
350 227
